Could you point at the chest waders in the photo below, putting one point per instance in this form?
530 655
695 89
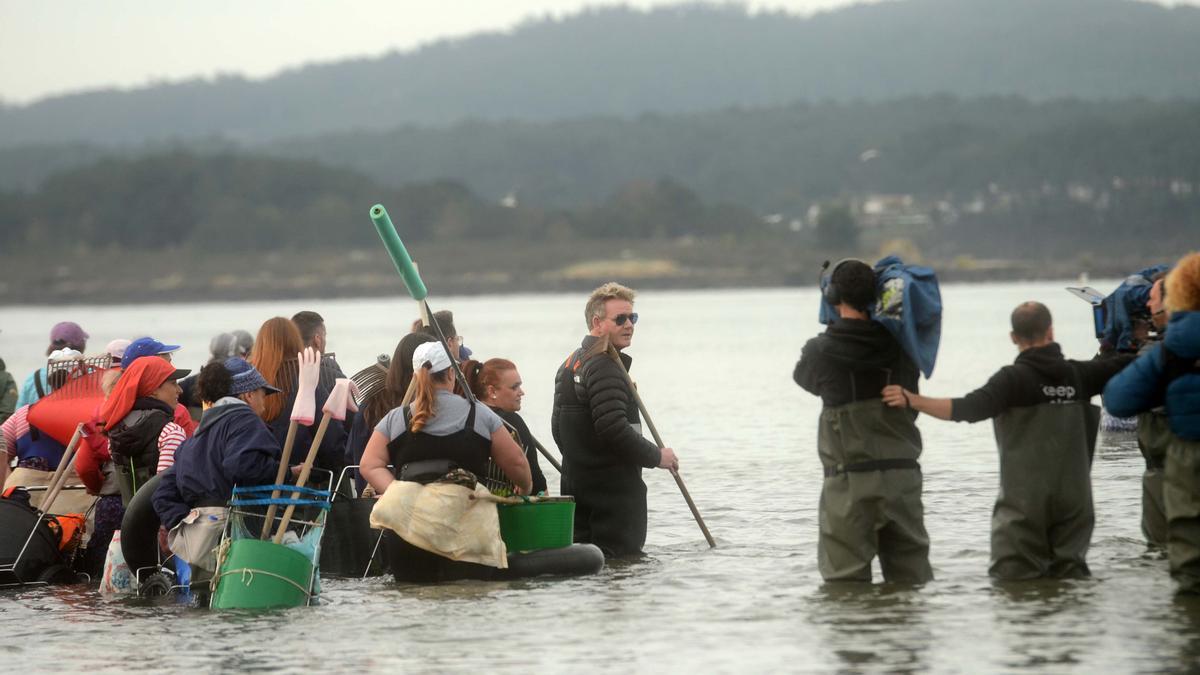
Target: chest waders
1154 436
1181 494
871 497
1043 518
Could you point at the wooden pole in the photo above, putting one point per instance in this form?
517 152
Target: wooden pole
283 467
303 478
612 351
60 474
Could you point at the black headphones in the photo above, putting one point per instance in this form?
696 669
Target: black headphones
831 293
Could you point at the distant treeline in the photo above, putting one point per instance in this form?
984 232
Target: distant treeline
783 159
774 160
235 203
669 60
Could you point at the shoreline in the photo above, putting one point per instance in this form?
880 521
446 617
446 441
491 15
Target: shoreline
116 277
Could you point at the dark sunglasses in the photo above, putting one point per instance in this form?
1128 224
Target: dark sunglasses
620 318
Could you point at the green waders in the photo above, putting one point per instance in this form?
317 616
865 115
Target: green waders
1154 436
1043 518
1181 492
871 498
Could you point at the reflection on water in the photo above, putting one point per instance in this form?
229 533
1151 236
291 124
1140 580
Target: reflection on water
714 369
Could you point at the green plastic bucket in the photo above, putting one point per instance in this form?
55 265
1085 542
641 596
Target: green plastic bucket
259 574
538 525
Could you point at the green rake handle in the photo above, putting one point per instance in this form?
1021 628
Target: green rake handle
399 254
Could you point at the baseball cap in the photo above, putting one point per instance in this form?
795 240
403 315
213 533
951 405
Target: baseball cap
146 346
116 348
432 353
68 333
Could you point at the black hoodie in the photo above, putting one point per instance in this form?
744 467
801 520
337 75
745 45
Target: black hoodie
1039 375
853 360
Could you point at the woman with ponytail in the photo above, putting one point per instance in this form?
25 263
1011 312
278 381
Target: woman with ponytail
497 383
383 401
435 434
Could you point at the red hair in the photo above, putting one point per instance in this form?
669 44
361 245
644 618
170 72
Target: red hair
278 341
480 376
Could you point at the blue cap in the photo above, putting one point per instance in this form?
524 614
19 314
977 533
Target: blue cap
146 346
245 377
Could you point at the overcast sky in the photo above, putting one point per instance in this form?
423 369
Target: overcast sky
54 46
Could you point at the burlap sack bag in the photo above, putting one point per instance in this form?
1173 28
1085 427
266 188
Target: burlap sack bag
442 518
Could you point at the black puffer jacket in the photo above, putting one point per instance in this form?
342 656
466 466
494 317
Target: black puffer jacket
595 413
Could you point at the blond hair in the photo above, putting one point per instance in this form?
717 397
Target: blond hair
1183 285
610 291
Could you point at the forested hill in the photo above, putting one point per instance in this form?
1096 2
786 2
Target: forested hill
624 62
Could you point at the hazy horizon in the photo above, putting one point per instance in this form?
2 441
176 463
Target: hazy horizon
134 43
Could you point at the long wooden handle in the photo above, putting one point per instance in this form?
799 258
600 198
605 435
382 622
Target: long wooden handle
546 453
60 474
283 467
303 478
712 543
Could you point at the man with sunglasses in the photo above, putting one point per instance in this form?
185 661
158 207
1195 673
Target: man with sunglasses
598 429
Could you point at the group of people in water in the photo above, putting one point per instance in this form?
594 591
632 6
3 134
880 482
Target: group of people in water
437 414
224 426
1045 428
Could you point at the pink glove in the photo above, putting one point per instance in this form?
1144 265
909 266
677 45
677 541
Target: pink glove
305 409
341 399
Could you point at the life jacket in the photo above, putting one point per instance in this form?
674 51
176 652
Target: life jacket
38 445
135 438
418 455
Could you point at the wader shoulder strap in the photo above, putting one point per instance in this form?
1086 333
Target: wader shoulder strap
407 412
37 383
470 425
872 465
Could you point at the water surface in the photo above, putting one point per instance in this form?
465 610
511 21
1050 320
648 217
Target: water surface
715 371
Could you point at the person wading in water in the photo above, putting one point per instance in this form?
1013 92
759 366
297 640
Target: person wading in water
1046 430
596 424
871 498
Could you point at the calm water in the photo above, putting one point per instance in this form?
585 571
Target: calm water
715 371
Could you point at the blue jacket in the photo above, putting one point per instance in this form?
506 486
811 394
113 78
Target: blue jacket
1143 385
232 446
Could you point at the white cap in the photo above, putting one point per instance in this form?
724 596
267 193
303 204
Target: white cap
116 348
432 353
62 354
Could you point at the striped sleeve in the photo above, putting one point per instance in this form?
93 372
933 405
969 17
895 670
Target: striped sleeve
15 427
168 441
